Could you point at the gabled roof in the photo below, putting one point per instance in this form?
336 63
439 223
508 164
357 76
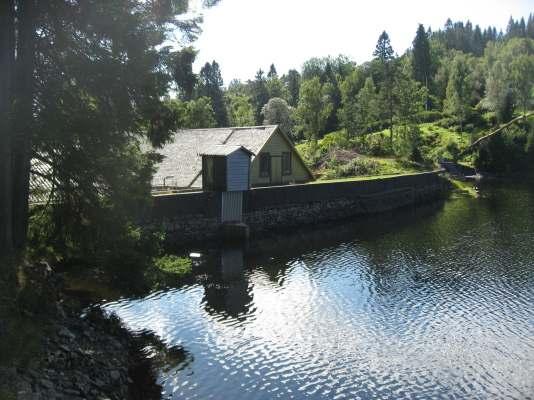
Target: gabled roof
223 150
183 162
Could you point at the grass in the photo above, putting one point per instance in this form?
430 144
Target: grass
357 178
464 187
377 158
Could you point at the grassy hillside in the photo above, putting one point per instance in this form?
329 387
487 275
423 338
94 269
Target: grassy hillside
336 156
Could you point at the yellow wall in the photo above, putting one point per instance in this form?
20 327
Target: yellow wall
276 145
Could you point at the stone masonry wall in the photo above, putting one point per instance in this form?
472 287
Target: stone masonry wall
191 217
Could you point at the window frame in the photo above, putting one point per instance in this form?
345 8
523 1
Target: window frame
289 170
265 165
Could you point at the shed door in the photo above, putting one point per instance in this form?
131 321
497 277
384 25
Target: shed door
276 172
232 207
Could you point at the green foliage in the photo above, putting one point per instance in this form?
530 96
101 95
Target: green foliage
210 84
408 142
197 113
278 112
509 152
358 166
360 104
409 97
240 110
181 66
429 116
178 266
292 81
422 61
459 89
510 77
314 108
377 145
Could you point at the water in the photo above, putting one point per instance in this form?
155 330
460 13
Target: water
433 303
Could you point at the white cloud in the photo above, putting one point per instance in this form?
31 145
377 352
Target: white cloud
245 35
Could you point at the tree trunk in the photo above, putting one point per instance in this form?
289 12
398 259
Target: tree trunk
24 87
7 60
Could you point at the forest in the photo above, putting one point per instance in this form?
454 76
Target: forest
391 114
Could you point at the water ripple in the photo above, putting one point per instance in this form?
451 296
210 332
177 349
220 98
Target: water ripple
436 306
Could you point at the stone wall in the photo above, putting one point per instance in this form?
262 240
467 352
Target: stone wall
195 216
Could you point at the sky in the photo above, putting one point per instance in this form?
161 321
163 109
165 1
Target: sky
245 35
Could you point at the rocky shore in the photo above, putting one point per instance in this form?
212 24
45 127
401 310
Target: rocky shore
83 354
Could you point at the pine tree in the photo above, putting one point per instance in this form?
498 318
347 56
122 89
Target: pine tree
422 62
478 42
292 81
385 55
530 27
181 66
272 72
259 95
210 85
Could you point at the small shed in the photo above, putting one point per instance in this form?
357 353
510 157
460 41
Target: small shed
226 168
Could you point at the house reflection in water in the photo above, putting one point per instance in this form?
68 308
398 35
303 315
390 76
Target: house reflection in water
228 293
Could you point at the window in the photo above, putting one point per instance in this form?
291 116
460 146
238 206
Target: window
265 165
286 163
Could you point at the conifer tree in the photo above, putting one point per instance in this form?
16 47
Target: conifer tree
211 85
181 66
385 55
292 81
259 95
422 62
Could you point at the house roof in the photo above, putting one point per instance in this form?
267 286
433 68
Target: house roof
182 157
223 150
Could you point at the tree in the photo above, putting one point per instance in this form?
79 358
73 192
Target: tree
85 94
409 96
385 56
313 109
7 66
459 89
278 112
210 85
349 111
510 80
240 110
530 27
272 72
181 66
292 81
259 95
422 62
194 114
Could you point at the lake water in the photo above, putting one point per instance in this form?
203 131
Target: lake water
436 302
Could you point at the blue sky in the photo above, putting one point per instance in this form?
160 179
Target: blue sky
245 35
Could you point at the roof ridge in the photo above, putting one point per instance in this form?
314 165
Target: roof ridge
228 137
228 127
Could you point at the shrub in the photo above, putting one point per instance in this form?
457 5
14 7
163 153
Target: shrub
173 265
408 143
447 122
507 152
334 139
429 116
377 145
358 166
